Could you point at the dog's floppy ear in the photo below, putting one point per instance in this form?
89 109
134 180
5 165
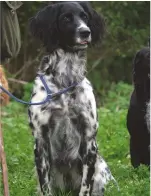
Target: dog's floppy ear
44 26
141 65
141 71
96 22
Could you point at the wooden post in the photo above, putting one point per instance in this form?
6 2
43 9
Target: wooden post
3 164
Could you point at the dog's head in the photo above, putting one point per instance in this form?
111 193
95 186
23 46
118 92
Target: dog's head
141 65
67 25
141 74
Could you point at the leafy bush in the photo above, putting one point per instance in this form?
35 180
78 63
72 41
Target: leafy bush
27 91
118 96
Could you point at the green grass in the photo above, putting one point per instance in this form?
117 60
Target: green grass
113 140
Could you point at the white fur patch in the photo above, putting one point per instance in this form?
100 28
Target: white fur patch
83 25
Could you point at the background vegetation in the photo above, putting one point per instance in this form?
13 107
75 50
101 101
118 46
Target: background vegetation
127 30
113 140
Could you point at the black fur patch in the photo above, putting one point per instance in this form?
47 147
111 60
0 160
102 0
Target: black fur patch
45 130
42 88
95 126
31 126
92 115
44 107
36 117
73 96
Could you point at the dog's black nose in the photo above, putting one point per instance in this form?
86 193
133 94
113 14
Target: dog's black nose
84 33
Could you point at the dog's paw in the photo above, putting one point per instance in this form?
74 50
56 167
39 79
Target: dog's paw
102 176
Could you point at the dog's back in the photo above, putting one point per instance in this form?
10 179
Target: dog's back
138 113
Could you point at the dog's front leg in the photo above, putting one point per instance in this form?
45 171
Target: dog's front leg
89 160
43 168
96 173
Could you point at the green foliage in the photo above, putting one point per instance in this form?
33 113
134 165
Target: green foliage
113 140
19 151
127 31
27 91
118 96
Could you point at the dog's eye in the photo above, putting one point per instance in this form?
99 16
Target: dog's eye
84 17
66 19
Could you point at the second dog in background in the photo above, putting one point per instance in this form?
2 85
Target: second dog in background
138 117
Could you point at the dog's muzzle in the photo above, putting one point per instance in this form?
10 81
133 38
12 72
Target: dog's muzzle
83 37
84 33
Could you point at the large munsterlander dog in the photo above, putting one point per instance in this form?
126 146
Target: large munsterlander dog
138 117
65 128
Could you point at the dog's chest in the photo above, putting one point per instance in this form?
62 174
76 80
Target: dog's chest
80 99
63 120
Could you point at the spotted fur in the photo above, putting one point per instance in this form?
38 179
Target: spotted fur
65 128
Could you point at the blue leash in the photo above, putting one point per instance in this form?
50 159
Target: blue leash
49 96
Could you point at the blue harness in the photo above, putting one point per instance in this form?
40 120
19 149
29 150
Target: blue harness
49 96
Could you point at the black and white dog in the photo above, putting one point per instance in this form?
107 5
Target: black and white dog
138 117
66 153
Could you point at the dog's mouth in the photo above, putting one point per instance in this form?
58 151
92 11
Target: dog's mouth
84 43
80 45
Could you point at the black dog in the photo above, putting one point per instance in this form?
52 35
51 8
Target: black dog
65 128
138 118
